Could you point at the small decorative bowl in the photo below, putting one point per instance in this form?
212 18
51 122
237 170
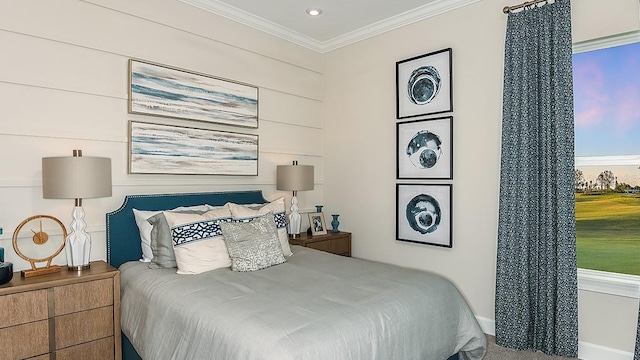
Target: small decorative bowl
6 272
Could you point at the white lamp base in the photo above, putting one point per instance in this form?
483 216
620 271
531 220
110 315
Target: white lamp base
294 218
78 242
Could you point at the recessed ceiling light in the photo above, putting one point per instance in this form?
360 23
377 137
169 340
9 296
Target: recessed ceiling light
314 12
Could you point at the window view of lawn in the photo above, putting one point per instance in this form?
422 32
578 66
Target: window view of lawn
608 232
607 152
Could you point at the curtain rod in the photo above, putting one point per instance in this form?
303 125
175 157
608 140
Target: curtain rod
508 9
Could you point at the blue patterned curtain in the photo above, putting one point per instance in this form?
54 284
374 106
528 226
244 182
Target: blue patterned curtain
536 280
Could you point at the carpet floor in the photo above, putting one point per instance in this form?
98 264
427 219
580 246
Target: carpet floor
496 352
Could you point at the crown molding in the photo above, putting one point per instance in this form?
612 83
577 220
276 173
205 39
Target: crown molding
431 9
256 22
434 8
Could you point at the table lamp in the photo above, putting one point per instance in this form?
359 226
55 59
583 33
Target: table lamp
76 177
294 178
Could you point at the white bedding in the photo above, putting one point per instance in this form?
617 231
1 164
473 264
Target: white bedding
316 306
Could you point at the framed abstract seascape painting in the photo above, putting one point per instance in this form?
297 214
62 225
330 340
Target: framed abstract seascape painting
424 85
424 214
168 149
424 149
161 90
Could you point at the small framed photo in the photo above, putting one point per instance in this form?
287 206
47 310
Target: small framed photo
424 214
424 149
317 223
424 85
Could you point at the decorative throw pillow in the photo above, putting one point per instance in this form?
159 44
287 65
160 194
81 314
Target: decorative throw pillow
253 245
247 213
145 227
161 243
197 240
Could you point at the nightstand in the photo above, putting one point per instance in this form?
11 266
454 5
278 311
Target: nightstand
335 243
66 315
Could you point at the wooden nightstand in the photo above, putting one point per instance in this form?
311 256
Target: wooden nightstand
335 243
66 315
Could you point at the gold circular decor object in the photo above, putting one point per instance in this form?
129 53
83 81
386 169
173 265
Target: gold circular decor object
39 238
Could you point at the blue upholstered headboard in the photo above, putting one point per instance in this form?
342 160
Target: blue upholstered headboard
123 237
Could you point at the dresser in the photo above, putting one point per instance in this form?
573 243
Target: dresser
335 243
62 316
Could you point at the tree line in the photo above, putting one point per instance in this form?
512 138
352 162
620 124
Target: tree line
605 182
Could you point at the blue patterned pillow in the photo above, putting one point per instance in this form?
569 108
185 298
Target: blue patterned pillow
253 245
197 240
145 227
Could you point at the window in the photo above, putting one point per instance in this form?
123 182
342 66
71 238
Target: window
607 150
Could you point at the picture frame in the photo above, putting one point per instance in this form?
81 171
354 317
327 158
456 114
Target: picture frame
317 223
424 214
161 90
424 149
169 149
424 84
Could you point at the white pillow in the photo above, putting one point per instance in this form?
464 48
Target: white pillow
197 240
246 213
145 227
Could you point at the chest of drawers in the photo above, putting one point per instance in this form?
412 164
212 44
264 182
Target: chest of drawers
67 315
335 243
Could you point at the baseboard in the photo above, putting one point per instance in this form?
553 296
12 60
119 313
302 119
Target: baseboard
488 326
586 351
589 351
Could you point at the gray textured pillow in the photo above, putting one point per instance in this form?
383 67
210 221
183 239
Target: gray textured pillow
161 242
249 212
253 245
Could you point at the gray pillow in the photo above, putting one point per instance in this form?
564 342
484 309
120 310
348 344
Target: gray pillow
253 245
161 242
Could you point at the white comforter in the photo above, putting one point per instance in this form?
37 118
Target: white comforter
316 306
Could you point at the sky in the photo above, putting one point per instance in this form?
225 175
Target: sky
607 101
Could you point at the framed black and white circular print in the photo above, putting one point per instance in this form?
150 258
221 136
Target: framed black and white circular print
424 149
424 213
424 85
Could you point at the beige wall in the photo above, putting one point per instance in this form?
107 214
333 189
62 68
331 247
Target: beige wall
360 150
63 84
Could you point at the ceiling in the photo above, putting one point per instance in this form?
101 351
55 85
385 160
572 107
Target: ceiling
342 22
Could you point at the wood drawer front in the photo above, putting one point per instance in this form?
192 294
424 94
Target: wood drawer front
41 357
95 350
341 246
320 245
23 307
85 326
24 341
83 296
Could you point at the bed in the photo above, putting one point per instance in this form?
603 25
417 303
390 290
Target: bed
314 306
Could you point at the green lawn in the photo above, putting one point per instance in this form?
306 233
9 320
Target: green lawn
608 232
